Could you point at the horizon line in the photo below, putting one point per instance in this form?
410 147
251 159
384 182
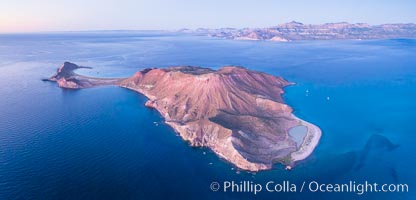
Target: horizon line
178 29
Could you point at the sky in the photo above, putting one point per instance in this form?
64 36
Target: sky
82 15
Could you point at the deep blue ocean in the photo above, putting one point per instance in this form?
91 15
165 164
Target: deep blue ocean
103 143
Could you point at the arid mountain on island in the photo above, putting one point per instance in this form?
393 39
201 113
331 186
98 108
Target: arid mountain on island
329 31
238 113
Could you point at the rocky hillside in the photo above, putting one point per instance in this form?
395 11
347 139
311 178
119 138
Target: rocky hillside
236 112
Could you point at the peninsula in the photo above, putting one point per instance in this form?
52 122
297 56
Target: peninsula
238 113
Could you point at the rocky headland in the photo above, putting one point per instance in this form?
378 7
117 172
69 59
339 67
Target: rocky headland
238 113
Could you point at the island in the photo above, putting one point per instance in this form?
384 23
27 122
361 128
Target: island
293 31
237 113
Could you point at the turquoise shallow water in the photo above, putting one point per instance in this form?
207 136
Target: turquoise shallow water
102 143
298 134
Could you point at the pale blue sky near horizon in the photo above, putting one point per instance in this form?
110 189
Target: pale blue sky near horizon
80 15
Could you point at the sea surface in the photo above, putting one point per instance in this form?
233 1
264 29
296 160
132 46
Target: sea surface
103 143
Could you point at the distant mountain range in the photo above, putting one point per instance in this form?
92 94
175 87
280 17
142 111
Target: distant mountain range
299 31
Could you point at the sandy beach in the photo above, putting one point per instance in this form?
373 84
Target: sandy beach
310 141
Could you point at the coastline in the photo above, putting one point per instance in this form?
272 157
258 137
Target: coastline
310 142
223 149
242 150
